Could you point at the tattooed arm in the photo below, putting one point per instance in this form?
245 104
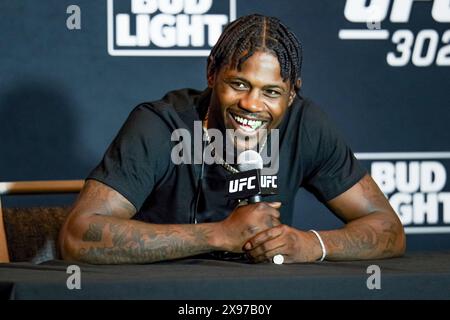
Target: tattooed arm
99 230
372 231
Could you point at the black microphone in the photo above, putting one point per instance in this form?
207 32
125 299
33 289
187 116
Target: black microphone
251 160
249 184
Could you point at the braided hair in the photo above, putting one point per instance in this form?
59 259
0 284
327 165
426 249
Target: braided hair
248 34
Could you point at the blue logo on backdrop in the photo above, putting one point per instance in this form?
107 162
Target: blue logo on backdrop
423 48
166 27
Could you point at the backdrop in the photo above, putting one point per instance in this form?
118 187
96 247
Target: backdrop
71 71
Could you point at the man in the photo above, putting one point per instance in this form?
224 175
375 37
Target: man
138 206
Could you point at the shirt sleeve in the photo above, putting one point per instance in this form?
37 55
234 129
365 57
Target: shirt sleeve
333 168
138 157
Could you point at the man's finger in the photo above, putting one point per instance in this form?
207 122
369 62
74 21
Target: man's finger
272 248
262 237
275 222
275 205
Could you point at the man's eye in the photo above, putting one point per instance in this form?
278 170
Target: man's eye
273 93
238 85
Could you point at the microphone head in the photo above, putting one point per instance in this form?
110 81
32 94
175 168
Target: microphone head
249 160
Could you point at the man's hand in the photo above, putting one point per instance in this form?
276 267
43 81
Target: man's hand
246 221
372 231
293 244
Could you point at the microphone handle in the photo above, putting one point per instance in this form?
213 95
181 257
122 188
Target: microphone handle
277 259
255 199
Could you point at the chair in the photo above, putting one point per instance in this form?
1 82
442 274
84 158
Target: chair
30 234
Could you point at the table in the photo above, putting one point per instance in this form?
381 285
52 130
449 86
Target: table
414 276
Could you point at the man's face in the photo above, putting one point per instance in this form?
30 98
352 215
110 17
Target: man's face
252 99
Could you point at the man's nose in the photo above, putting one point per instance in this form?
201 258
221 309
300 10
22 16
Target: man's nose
251 102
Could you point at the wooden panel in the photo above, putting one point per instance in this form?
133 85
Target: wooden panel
36 187
4 257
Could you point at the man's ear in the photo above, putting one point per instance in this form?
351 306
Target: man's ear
211 77
210 72
293 93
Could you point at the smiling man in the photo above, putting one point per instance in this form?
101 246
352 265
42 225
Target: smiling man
249 99
138 206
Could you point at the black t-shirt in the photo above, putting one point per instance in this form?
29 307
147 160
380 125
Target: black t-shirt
138 163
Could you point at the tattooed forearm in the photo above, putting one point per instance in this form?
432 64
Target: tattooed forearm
94 232
119 234
355 241
99 230
136 244
372 228
372 238
391 238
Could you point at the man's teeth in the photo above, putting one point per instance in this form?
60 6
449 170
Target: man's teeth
253 124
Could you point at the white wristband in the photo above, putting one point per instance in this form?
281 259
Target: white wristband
322 245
